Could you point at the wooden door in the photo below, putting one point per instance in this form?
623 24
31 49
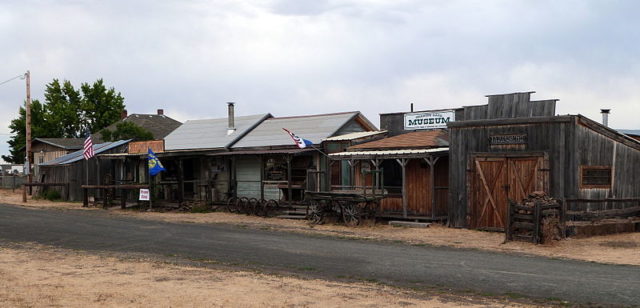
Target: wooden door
495 180
526 175
488 197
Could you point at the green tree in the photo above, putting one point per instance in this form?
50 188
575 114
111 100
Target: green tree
39 128
101 106
64 106
126 130
66 113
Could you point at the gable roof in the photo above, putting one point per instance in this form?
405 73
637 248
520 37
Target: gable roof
158 125
211 133
413 140
63 143
78 155
356 135
315 128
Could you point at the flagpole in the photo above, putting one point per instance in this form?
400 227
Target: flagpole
150 183
323 153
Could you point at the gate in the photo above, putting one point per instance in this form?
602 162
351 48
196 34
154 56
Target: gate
496 180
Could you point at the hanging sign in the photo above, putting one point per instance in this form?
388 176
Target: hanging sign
428 120
144 194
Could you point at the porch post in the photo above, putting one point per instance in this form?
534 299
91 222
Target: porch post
289 193
376 176
180 182
403 162
432 162
352 172
330 163
261 177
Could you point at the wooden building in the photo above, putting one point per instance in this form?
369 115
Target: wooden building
76 171
513 145
413 173
268 165
193 171
46 149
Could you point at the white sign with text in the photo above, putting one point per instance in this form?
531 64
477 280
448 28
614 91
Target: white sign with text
428 120
144 194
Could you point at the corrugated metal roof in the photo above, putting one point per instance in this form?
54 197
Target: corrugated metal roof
313 127
77 155
635 132
420 139
64 143
211 133
268 151
388 152
357 135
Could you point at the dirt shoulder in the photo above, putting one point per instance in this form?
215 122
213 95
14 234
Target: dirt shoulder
614 249
35 275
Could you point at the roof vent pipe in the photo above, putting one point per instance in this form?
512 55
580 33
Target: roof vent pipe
231 128
605 116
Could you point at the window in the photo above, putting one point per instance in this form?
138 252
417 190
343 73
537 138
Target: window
595 176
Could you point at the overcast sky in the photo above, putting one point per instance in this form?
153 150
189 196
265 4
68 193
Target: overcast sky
294 57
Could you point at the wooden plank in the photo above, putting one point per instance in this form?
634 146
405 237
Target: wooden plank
490 191
524 225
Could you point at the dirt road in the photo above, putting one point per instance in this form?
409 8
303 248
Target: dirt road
324 257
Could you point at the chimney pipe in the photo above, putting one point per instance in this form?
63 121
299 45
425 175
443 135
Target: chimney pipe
123 114
160 111
605 116
231 128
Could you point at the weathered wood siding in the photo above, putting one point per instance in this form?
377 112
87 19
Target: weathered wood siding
551 138
568 143
604 148
248 170
418 185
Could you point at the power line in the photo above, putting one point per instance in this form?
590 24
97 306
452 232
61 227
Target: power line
19 76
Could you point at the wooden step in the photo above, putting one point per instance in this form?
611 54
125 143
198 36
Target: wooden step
299 217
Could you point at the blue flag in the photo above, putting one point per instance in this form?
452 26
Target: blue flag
155 166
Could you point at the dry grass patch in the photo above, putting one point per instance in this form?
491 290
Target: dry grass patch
38 276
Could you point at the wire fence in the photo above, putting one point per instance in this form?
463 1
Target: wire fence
11 181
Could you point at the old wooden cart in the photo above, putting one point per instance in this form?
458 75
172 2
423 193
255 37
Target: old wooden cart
350 205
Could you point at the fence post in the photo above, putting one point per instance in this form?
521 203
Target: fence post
24 193
85 197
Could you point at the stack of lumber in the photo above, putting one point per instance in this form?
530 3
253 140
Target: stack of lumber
537 218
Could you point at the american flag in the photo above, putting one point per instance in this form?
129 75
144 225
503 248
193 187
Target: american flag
88 148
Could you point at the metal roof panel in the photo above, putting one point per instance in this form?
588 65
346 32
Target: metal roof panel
314 128
210 133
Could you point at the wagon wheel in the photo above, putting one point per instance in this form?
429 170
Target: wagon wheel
242 205
253 206
350 214
231 206
316 214
371 208
270 207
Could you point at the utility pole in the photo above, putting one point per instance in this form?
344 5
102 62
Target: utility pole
28 121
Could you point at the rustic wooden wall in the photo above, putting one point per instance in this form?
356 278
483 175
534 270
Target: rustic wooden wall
545 136
418 186
568 142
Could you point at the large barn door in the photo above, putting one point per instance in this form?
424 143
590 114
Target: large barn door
488 193
525 176
496 180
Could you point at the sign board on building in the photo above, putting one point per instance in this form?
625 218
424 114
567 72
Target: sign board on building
507 139
141 147
144 194
428 120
